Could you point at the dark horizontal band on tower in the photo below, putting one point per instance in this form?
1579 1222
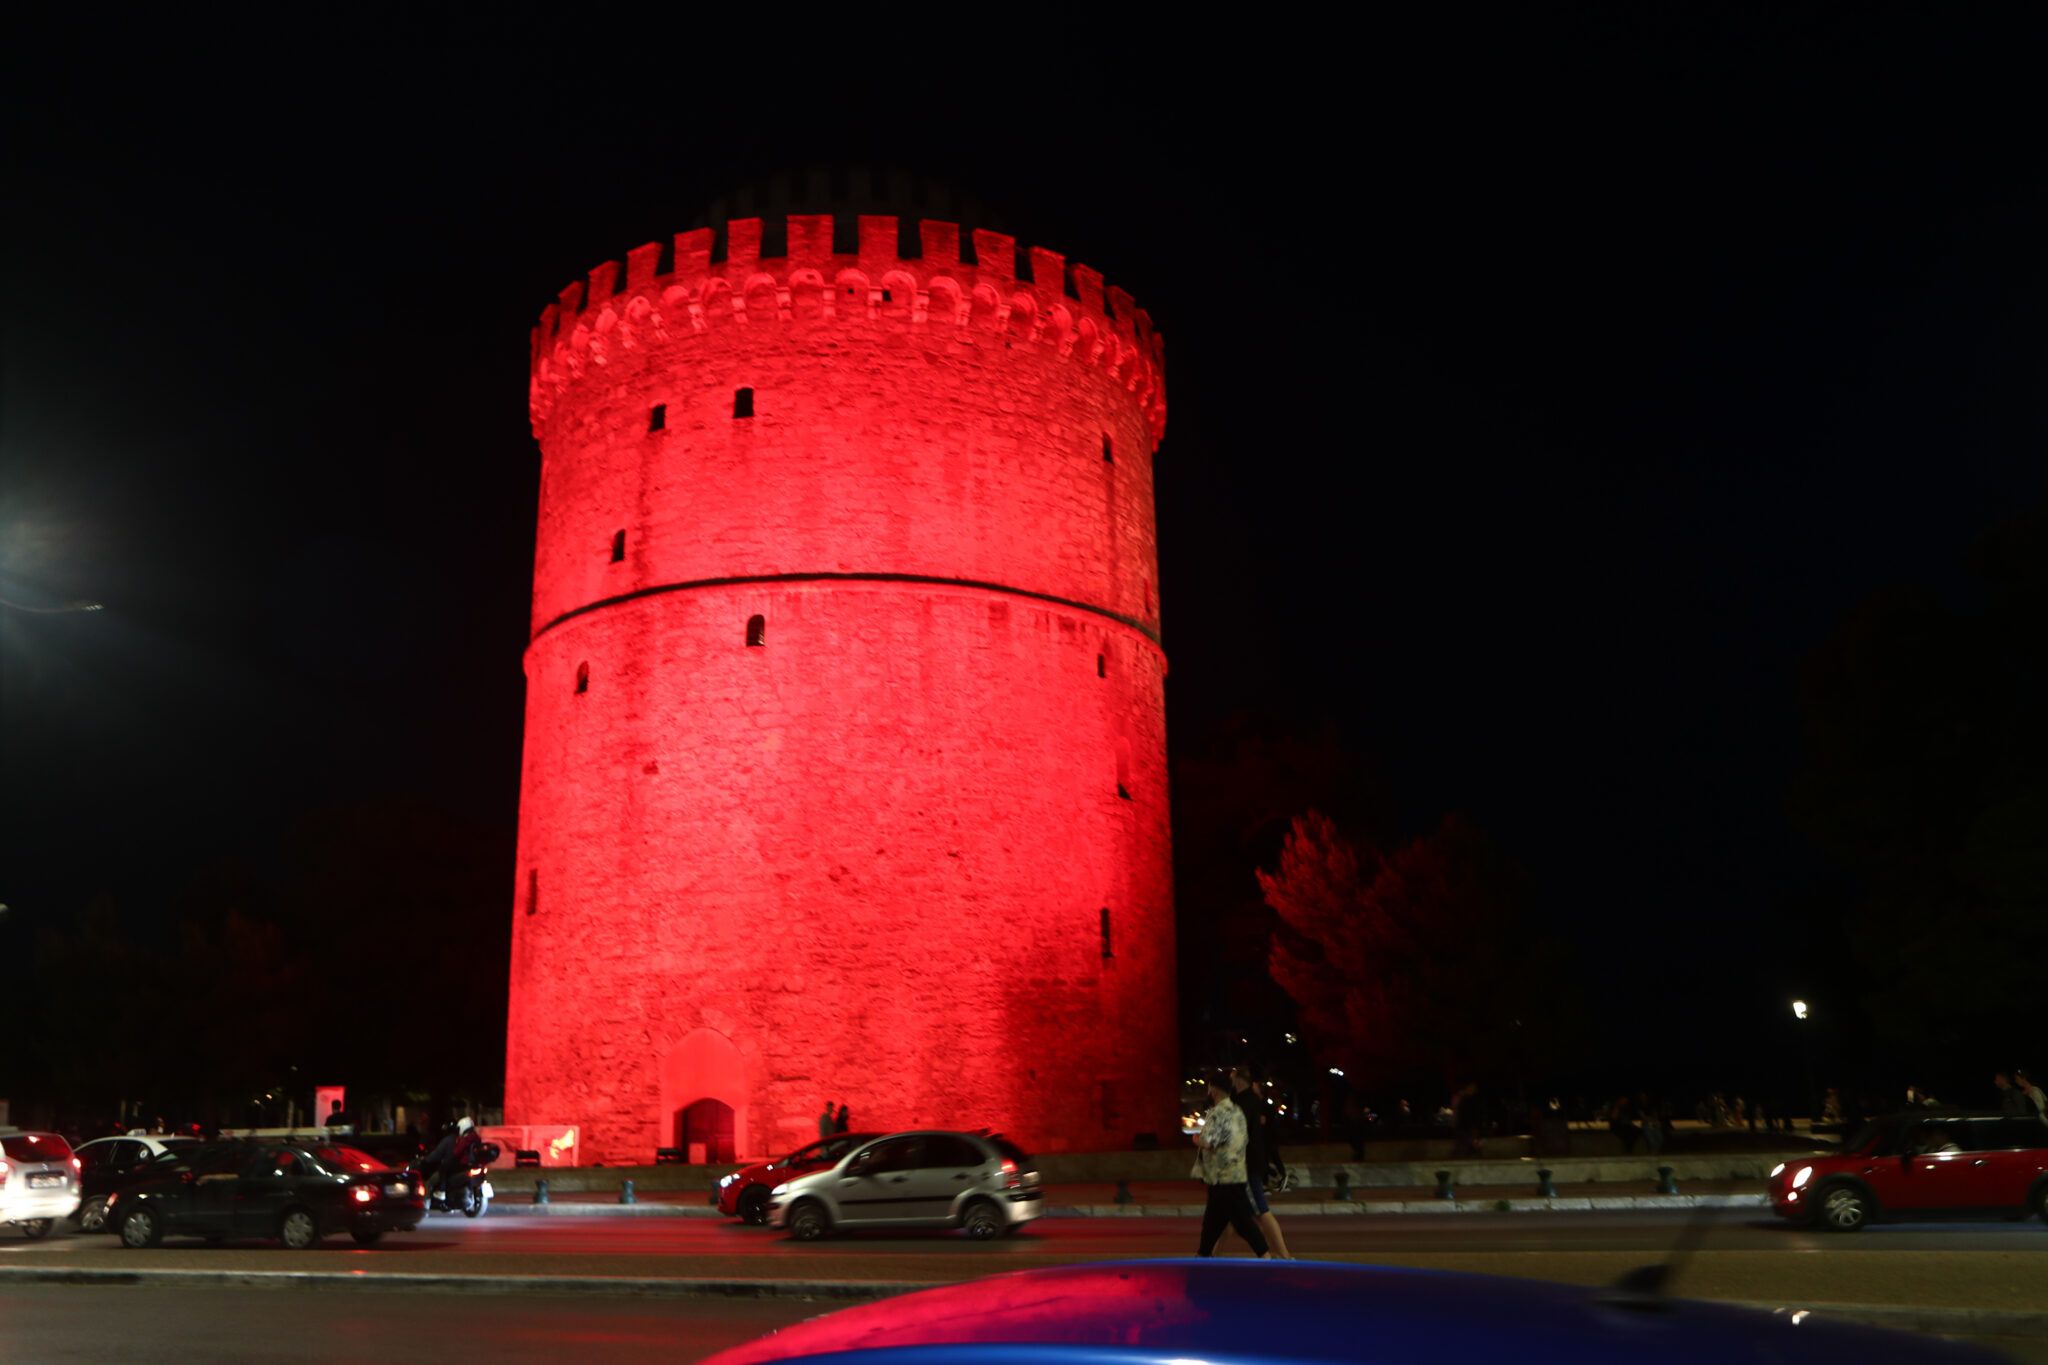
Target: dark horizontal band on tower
930 580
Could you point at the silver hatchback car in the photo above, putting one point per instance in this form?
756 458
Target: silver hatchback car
909 1180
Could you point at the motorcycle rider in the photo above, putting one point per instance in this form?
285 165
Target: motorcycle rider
452 1155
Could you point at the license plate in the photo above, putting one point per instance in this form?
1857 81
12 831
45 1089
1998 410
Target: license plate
398 1191
488 1192
45 1182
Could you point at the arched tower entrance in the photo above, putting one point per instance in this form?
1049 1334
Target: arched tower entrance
845 698
704 1097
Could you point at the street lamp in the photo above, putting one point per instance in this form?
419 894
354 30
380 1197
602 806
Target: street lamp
1805 1060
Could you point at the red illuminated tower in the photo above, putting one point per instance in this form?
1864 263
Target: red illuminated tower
845 763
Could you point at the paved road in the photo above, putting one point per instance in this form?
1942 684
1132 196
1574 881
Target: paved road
1743 1257
53 1324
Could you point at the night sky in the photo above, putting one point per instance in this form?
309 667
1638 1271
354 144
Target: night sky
1542 391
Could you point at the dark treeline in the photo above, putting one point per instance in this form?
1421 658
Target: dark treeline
372 955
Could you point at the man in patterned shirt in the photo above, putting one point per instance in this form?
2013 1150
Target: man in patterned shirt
1219 1161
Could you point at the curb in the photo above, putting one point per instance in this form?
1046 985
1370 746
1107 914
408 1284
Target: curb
639 1287
1328 1207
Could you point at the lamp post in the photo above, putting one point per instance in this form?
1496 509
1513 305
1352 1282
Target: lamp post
1805 1060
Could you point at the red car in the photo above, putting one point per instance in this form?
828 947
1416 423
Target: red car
1924 1163
744 1193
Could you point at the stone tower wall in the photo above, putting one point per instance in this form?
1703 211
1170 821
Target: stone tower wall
868 858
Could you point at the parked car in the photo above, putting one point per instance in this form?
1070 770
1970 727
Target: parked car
906 1180
105 1164
296 1192
1920 1163
38 1181
744 1193
1232 1311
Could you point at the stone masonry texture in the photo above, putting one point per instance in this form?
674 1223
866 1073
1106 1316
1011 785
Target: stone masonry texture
845 753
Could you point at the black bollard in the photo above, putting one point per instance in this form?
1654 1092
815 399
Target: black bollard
540 1191
1665 1183
626 1195
1443 1186
1343 1195
1123 1192
1544 1187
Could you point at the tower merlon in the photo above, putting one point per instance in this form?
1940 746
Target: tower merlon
1063 309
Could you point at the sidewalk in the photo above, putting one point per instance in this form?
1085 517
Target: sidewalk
1182 1199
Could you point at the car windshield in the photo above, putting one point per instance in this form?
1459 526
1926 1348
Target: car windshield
36 1147
346 1159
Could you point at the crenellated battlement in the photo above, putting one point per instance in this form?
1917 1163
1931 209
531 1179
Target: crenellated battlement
982 284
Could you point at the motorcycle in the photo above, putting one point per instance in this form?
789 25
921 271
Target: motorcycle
465 1191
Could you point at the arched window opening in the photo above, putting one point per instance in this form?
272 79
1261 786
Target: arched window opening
533 891
1105 933
582 678
743 403
757 631
1102 665
1108 450
657 420
618 547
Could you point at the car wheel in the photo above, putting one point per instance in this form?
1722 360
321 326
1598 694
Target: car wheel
983 1221
92 1214
35 1228
807 1222
753 1206
298 1230
141 1228
367 1237
2039 1202
1842 1209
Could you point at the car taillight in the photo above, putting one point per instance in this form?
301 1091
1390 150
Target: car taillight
362 1194
1010 1176
77 1166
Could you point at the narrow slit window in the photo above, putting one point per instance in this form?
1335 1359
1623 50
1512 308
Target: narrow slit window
1102 665
657 419
1108 450
757 631
743 403
1105 933
533 892
618 547
1123 771
582 678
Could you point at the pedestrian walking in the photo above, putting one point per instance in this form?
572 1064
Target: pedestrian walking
839 1123
1219 1164
1260 1155
826 1123
1621 1121
1467 1112
2033 1092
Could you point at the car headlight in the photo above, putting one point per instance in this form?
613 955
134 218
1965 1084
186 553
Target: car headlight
727 1180
1776 1169
1801 1176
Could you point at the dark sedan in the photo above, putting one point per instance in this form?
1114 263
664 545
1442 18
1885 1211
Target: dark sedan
296 1192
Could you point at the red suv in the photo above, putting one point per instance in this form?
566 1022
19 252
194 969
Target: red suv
1921 1163
745 1192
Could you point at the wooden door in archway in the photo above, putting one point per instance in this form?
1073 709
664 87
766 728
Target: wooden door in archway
709 1123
